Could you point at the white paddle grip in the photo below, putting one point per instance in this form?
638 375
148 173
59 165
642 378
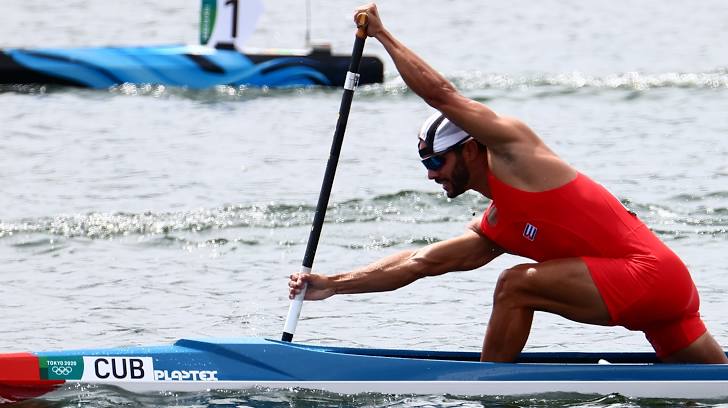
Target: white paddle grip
294 310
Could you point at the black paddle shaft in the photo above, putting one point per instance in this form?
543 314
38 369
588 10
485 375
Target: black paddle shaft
323 201
352 78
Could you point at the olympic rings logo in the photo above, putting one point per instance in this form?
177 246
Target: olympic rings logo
57 370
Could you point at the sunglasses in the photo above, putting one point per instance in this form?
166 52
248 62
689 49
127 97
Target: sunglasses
435 161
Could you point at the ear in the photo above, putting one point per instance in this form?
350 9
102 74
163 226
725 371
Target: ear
470 151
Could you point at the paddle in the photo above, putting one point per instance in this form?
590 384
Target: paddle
352 78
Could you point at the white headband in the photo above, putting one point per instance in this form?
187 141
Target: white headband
440 134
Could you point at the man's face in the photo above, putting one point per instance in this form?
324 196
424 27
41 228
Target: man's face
453 175
456 181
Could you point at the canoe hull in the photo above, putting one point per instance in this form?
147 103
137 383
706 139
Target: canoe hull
193 67
199 365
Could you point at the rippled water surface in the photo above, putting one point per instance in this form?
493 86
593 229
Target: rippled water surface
143 214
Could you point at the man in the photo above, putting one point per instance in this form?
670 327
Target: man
596 262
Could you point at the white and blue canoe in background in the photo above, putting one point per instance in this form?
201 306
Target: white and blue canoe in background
245 363
219 59
189 66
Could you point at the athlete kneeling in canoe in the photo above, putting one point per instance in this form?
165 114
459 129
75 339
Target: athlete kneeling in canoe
596 262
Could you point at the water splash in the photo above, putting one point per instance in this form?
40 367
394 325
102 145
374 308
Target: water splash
565 83
705 215
632 81
102 396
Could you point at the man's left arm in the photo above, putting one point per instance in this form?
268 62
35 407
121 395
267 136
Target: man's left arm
501 134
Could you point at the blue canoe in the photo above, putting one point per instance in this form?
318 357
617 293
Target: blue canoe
188 66
243 363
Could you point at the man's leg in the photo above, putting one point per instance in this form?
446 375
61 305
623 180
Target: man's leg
703 350
563 287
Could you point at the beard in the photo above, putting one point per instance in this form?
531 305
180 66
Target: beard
459 179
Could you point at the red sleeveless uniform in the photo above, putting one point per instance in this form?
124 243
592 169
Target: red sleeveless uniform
644 285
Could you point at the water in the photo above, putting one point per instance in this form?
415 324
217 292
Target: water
143 214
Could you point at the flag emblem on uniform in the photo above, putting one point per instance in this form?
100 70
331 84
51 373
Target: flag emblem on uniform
530 232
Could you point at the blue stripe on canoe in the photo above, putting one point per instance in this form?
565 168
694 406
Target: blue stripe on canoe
102 67
257 359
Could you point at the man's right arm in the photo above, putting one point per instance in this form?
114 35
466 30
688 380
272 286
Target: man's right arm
468 251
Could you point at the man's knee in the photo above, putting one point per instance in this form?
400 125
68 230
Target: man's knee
513 282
